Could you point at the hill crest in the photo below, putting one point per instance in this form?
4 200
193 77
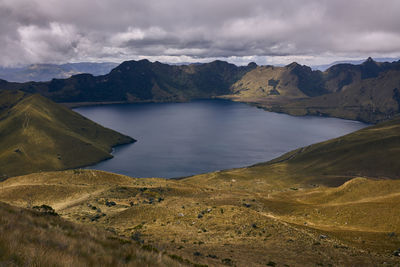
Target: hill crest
37 134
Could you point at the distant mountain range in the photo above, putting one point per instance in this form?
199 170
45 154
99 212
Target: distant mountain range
367 92
46 72
324 67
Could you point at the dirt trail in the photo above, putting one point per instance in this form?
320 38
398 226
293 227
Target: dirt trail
359 201
75 201
26 121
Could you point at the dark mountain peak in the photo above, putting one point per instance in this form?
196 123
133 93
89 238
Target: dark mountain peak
252 65
129 66
293 65
134 62
219 62
144 61
370 69
296 67
369 61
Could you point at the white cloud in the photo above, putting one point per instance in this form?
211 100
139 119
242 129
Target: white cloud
54 42
33 31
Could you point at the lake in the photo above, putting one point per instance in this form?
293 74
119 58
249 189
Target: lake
182 139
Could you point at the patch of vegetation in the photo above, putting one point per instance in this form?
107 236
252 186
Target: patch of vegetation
45 209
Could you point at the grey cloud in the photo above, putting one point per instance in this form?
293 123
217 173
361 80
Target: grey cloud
33 31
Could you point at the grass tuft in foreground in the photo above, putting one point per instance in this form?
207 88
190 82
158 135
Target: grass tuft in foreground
32 238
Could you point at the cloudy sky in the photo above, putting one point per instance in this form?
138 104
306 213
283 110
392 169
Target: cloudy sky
265 31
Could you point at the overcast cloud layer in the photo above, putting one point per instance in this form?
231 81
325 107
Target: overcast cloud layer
265 31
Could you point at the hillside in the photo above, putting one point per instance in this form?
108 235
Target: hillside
37 134
232 220
33 238
370 100
368 92
326 204
47 72
372 152
270 81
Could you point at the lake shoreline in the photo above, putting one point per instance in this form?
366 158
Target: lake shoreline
270 107
172 136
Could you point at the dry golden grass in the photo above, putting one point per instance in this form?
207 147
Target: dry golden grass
267 82
31 238
244 220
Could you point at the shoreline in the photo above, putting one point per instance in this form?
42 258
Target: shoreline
258 104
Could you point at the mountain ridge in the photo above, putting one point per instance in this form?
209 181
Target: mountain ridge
295 89
37 134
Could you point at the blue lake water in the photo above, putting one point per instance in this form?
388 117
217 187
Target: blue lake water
182 139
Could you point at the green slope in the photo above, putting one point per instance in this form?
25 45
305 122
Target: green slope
370 152
37 134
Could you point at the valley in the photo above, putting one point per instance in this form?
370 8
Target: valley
312 205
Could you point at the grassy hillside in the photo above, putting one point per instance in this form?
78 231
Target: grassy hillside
226 219
372 152
33 238
291 81
37 134
267 81
326 204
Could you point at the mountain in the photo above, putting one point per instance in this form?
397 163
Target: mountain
134 81
46 72
291 81
368 92
297 81
37 134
